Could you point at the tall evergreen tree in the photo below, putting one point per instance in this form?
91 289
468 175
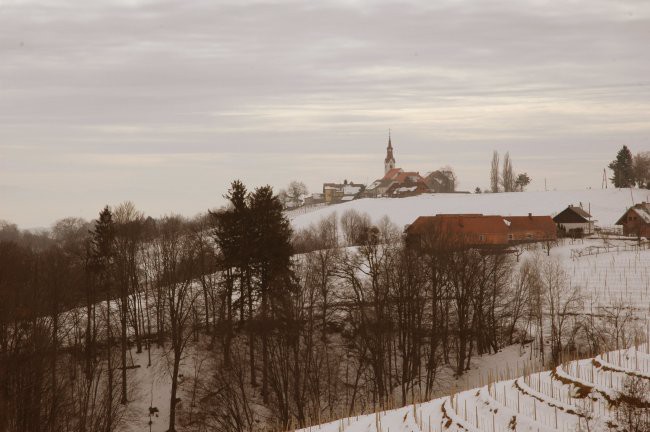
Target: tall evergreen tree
623 168
232 234
271 256
102 239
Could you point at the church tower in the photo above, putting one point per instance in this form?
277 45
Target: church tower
389 162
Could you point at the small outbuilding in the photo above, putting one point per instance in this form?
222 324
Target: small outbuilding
636 220
574 222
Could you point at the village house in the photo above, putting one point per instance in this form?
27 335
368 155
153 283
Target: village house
341 192
636 221
574 222
480 231
314 199
441 181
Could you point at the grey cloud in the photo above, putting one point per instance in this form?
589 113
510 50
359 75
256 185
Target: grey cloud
135 84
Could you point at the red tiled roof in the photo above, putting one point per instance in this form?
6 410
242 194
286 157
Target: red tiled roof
406 176
480 229
460 224
528 223
391 174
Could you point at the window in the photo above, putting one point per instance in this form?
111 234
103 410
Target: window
510 237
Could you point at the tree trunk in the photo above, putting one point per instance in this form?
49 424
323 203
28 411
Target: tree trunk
172 402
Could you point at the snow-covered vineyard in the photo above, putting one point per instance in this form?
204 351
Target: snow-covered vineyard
614 275
577 395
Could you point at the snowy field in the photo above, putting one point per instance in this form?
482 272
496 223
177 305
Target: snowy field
606 205
609 278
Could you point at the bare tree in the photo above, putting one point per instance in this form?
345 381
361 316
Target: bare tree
176 257
295 191
563 302
494 173
355 226
507 175
642 169
523 283
128 228
618 322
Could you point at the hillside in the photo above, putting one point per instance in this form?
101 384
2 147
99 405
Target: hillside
576 395
606 205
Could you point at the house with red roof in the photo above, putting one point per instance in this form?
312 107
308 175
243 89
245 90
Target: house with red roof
480 231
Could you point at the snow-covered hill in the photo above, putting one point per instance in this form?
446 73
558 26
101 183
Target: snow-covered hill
577 395
606 205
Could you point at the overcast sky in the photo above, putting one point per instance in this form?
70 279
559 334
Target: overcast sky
165 102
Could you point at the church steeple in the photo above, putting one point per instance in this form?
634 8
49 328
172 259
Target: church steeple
389 162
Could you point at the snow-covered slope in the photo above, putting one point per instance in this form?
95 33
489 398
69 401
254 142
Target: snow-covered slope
606 205
577 395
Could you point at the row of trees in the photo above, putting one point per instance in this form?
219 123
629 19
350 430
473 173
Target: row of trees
506 180
73 305
630 171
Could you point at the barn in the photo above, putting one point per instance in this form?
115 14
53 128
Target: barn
636 220
481 231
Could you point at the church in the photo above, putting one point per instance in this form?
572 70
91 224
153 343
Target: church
397 183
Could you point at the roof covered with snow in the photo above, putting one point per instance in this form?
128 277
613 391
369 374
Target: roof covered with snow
642 211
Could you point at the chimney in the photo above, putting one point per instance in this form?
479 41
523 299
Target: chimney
530 215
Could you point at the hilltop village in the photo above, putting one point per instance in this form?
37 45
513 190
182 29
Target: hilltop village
395 183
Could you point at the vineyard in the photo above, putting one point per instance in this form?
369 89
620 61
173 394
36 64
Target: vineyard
576 395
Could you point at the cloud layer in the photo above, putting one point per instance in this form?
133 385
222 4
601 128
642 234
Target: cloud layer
165 102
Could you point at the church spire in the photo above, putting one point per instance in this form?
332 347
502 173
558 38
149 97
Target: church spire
389 162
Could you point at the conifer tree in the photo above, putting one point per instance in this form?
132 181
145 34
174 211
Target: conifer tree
623 168
102 239
232 236
271 256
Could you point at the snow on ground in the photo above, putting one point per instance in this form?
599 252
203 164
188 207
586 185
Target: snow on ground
152 386
564 399
608 278
418 418
606 205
